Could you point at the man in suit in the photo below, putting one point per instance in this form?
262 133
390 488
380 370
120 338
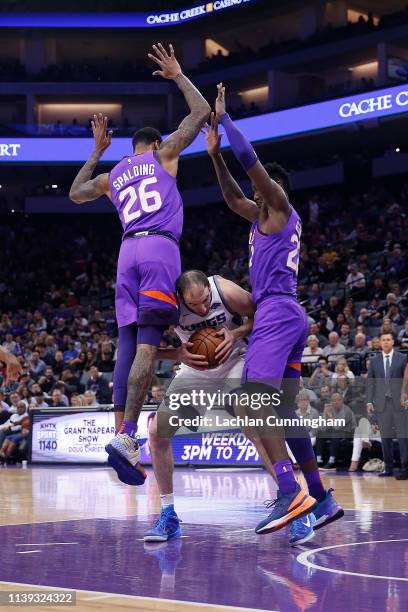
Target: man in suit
385 400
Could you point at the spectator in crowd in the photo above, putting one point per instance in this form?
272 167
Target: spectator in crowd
79 362
397 262
314 330
157 395
377 290
333 434
334 349
14 398
388 327
18 435
321 374
105 362
10 345
47 381
342 371
78 400
309 392
360 346
345 336
14 424
316 299
58 399
383 310
70 353
37 366
38 401
305 410
5 412
90 398
334 308
358 353
323 397
366 435
342 385
58 363
312 351
403 336
71 382
394 314
355 279
385 401
99 386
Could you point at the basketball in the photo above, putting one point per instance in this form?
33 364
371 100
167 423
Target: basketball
205 341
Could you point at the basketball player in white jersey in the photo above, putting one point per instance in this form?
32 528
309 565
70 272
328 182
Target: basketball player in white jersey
203 302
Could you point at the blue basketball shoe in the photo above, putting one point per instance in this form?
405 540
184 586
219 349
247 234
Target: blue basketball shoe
165 528
301 530
327 511
286 508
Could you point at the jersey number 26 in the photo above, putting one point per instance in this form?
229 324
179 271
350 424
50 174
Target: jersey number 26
149 200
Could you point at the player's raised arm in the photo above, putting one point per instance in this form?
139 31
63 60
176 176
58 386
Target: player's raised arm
188 129
273 195
231 191
84 188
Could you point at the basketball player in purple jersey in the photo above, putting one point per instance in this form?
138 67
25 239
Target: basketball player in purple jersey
280 326
143 188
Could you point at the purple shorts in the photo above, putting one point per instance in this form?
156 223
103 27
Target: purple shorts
148 268
277 341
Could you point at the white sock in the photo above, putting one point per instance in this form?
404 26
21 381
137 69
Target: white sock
319 458
167 500
332 459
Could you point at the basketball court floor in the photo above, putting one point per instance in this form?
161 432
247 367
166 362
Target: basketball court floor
79 528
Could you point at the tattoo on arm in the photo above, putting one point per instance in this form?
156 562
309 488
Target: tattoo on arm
190 126
85 189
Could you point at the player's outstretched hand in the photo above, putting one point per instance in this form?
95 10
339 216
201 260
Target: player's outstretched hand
102 136
224 350
212 136
220 107
198 362
169 66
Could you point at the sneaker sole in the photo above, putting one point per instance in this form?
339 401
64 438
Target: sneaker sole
127 473
307 505
158 538
339 514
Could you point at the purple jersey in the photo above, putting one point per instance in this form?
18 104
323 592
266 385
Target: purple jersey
146 195
274 259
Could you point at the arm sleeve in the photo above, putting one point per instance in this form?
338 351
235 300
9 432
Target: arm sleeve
242 149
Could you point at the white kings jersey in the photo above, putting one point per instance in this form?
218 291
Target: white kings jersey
218 316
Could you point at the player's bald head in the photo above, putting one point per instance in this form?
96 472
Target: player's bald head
190 278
